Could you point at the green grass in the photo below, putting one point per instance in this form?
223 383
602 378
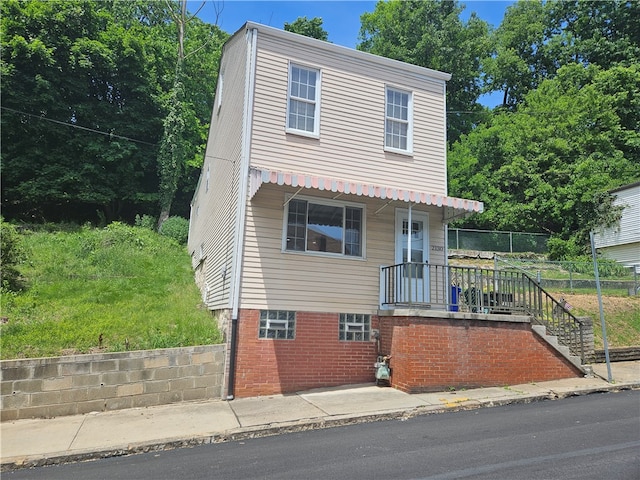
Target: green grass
108 289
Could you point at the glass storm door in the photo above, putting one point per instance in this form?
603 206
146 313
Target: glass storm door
412 280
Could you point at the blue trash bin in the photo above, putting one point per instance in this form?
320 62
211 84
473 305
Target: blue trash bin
455 295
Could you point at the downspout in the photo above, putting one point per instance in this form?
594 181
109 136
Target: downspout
242 203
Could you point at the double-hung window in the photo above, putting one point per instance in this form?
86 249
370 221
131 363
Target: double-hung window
324 227
398 129
303 102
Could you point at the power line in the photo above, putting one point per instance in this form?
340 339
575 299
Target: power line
66 124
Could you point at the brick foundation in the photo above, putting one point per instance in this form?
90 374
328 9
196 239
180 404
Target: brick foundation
431 354
316 358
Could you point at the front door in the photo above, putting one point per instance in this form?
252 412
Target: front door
412 282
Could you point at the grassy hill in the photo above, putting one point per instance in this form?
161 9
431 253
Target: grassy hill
128 288
96 290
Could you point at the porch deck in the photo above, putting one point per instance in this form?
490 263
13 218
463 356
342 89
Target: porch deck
425 286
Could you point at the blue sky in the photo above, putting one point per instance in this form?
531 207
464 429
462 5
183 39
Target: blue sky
341 18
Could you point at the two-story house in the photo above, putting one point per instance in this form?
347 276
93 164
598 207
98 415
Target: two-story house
323 165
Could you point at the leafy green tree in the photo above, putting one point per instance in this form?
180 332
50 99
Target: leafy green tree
80 112
431 34
518 63
537 38
86 88
308 27
547 166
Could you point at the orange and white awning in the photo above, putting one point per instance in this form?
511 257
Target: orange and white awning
454 206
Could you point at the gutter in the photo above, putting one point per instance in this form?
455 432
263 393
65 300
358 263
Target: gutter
243 178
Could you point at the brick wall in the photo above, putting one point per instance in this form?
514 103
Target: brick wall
56 386
432 354
316 358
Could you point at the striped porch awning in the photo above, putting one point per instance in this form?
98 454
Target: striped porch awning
454 207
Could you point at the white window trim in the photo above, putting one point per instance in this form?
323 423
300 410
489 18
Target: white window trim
409 150
316 120
330 202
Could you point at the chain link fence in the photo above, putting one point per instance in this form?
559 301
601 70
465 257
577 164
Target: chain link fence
495 241
572 275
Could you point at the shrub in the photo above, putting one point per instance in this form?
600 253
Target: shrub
12 254
176 228
146 221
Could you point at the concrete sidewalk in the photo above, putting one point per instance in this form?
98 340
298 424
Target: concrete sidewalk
36 442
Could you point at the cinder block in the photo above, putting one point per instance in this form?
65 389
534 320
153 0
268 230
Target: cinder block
14 402
62 383
74 395
91 406
181 384
131 364
49 370
63 409
101 392
89 380
114 378
194 394
6 388
200 358
8 415
118 403
156 387
27 386
16 373
34 412
170 397
204 381
156 362
142 375
146 400
102 366
180 359
189 371
75 368
130 389
45 398
166 373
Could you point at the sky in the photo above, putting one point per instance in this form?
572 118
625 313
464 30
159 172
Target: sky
341 18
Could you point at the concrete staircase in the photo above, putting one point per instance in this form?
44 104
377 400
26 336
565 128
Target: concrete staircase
552 340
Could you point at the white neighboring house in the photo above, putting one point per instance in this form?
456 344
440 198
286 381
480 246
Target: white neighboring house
622 242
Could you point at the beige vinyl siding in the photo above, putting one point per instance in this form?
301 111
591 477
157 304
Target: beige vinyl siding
214 211
275 279
351 120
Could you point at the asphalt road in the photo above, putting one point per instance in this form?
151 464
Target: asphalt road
590 437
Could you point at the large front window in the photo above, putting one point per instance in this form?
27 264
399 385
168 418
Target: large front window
303 100
398 121
317 226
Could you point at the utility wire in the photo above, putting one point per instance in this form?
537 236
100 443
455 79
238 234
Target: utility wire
67 124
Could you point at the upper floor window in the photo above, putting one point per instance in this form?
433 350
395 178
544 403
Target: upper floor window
398 129
303 107
324 226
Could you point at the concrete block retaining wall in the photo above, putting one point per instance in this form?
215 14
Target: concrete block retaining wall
57 386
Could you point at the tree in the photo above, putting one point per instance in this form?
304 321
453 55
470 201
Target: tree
187 116
86 86
535 39
309 28
430 34
518 63
80 113
548 165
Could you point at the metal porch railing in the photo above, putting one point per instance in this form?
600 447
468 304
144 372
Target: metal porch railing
479 290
